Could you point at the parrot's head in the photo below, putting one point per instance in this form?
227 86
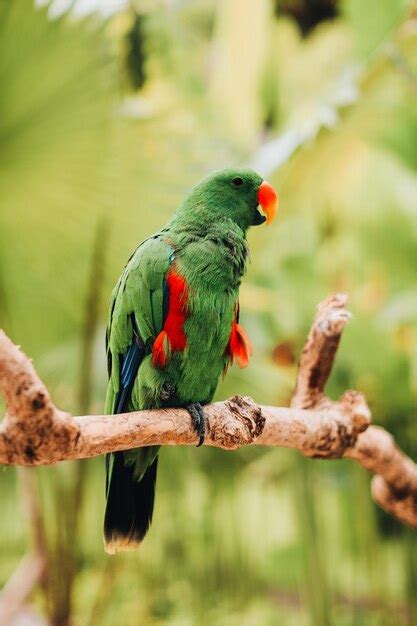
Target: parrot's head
240 195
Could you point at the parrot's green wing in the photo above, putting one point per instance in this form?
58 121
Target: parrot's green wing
136 316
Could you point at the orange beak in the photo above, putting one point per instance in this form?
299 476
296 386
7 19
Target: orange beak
268 199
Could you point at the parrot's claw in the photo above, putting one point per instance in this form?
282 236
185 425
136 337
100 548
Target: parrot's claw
199 420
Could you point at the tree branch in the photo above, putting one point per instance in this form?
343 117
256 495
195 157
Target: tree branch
394 486
35 432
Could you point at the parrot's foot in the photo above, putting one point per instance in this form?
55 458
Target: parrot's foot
199 420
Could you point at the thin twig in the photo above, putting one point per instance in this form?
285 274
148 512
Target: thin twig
31 570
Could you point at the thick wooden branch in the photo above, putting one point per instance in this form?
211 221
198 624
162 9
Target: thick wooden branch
35 432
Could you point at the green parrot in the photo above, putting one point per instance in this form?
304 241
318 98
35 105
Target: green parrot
174 328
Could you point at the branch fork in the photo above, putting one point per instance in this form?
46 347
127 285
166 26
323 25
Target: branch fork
35 432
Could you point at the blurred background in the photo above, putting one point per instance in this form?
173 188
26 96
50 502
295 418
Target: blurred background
109 112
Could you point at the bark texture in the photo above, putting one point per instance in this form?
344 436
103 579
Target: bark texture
35 432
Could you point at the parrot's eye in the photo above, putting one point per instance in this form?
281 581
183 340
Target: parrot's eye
237 182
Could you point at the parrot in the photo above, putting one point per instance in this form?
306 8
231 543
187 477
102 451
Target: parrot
174 328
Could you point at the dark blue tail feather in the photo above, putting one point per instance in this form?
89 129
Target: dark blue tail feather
129 505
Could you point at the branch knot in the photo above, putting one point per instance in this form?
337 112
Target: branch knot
243 427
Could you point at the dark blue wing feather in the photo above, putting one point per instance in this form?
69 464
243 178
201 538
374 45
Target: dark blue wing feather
129 365
129 368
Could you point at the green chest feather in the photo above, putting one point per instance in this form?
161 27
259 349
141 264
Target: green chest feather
191 351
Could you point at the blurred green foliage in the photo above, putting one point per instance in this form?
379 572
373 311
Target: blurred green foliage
256 536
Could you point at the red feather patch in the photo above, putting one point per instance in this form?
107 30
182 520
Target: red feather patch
240 346
160 349
172 337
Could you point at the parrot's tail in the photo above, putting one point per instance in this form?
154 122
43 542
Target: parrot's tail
129 505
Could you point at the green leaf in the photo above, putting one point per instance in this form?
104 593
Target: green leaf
373 21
